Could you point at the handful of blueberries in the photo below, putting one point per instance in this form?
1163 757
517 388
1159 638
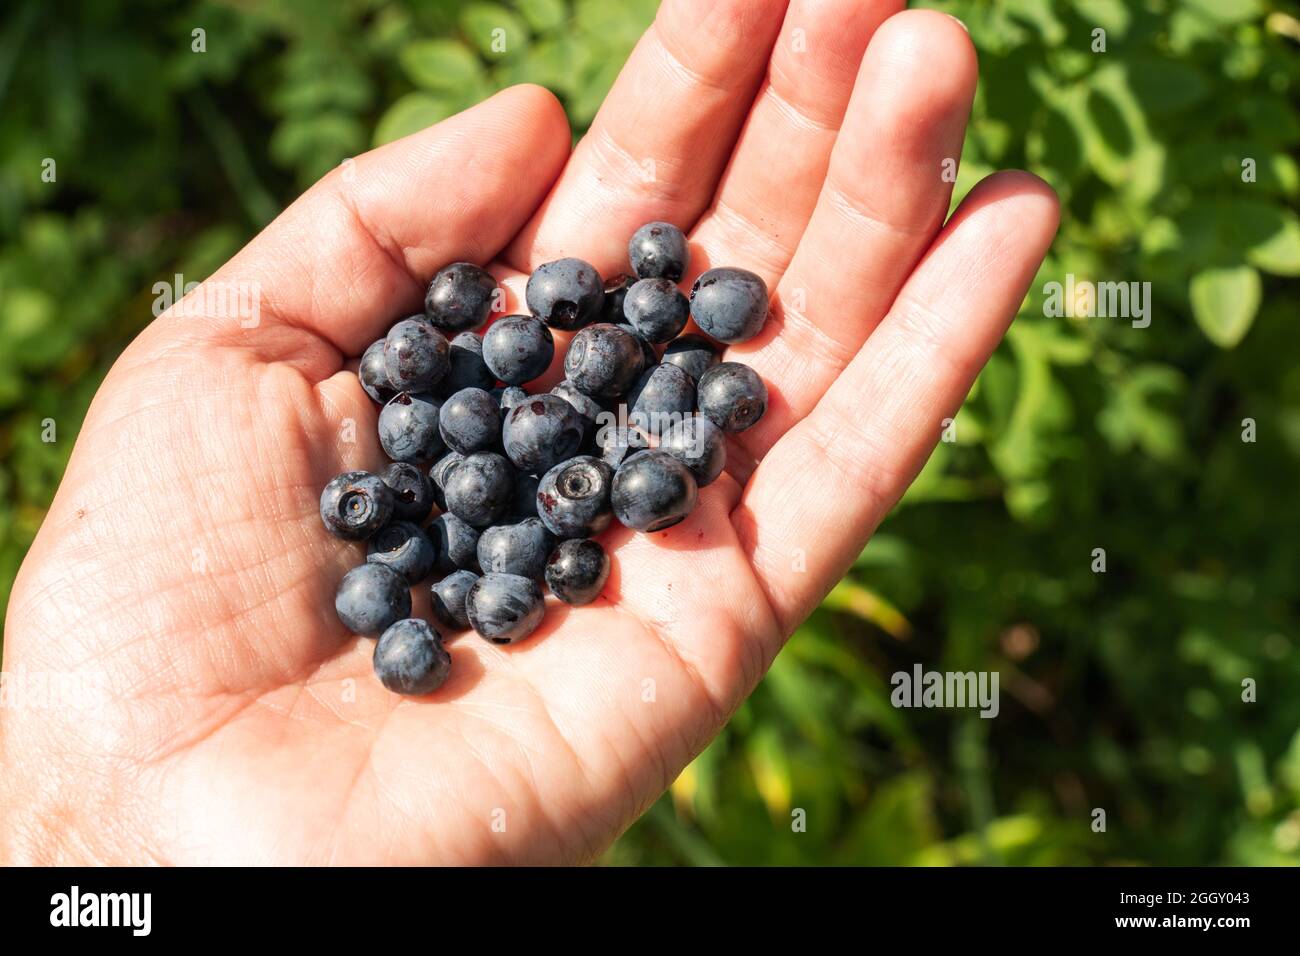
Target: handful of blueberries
524 482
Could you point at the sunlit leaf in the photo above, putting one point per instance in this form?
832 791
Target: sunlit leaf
441 65
1224 303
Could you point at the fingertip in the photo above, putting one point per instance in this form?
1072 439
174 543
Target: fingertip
541 105
1033 201
934 42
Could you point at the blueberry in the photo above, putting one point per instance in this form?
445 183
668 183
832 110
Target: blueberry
374 375
478 489
467 369
518 348
617 442
615 291
449 599
410 659
415 355
652 490
438 473
371 597
657 308
542 431
604 360
460 297
566 294
729 304
504 608
412 490
455 542
663 396
577 570
693 354
658 249
515 548
523 504
648 356
406 549
698 444
508 397
408 428
356 504
573 497
470 421
588 409
732 395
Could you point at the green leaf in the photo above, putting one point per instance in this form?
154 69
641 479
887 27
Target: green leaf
1166 86
1111 15
441 65
412 113
1279 253
542 15
1224 303
1050 28
1226 11
496 31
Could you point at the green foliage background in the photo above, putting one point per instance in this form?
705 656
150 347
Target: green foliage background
1120 690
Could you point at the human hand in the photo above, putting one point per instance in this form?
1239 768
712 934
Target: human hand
183 558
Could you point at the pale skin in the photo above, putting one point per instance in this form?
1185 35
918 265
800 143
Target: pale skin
183 562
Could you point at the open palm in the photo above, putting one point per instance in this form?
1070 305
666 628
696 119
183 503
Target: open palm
183 560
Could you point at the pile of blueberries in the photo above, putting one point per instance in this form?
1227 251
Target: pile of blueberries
524 481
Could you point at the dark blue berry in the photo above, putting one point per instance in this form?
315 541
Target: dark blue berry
648 356
657 309
542 431
470 421
588 409
467 370
508 397
370 598
416 355
577 571
460 297
456 543
504 608
523 504
518 348
732 395
659 250
438 473
604 360
616 442
652 490
374 375
408 428
413 496
449 599
615 291
729 304
478 489
356 504
566 294
698 444
573 497
519 548
693 354
406 549
662 397
410 659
